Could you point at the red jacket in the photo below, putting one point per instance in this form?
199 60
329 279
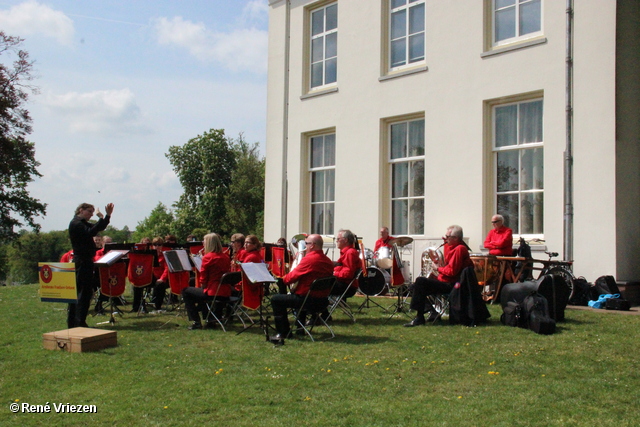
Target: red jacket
456 259
380 243
214 265
348 264
161 272
313 266
250 256
500 241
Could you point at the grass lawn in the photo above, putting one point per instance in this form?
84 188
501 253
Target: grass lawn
374 373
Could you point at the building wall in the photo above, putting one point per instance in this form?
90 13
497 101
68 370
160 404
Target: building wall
452 95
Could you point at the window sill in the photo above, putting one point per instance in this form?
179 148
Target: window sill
319 93
403 73
514 46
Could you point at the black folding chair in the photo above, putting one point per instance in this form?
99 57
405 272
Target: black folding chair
321 284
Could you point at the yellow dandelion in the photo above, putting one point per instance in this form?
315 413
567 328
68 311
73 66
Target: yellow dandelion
414 362
328 370
307 399
492 363
544 375
170 345
17 400
335 360
166 407
387 369
459 397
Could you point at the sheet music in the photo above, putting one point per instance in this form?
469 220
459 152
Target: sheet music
111 257
257 272
177 260
197 261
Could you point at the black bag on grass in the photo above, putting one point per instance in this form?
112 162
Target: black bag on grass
581 294
604 285
512 315
617 304
536 311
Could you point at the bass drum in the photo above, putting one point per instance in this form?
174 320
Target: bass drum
375 283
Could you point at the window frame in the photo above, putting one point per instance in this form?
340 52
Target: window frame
309 47
519 149
410 159
518 38
390 11
313 171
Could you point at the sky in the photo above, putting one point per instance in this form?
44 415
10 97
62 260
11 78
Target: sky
122 81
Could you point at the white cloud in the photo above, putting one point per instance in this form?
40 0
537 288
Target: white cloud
255 12
32 18
113 111
242 49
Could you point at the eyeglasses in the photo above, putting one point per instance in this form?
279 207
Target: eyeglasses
495 222
248 243
309 243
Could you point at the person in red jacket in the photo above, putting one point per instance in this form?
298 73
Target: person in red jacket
237 251
215 264
384 239
314 265
347 265
456 259
499 241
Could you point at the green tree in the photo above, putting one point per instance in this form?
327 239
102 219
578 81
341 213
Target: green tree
245 201
118 236
204 166
31 248
18 166
160 222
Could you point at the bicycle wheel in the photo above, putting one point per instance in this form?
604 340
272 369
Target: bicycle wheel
565 273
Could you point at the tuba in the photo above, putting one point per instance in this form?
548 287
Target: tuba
298 249
432 258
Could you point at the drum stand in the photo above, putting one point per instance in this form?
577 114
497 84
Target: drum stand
401 304
365 304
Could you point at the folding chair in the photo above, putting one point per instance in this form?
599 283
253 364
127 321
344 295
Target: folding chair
321 284
339 301
227 279
441 304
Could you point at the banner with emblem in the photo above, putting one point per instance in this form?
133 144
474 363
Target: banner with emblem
113 279
140 272
57 282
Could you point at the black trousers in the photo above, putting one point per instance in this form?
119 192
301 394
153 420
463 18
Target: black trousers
280 303
195 302
85 286
424 287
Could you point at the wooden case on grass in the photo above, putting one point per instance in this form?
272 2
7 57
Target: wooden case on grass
78 340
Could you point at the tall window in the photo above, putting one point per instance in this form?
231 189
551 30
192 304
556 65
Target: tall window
324 45
515 18
519 165
406 32
407 176
322 169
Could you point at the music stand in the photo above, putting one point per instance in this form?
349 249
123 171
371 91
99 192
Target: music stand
257 273
396 276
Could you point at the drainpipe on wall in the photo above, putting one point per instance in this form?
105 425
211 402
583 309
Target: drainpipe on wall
285 123
568 154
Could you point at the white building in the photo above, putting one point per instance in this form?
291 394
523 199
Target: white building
418 114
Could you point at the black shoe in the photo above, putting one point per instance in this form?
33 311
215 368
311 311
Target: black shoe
415 322
195 325
211 325
277 339
433 317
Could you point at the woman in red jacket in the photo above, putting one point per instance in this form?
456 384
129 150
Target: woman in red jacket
215 264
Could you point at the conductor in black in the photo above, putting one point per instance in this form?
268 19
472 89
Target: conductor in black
81 233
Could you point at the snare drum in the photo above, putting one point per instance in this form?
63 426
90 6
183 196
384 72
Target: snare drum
383 258
375 283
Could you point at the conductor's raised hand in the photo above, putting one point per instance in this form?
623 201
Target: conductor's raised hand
109 208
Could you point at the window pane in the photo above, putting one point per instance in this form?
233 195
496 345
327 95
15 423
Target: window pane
531 215
317 22
331 70
417 217
507 170
417 179
416 48
332 17
505 24
329 150
530 17
332 45
398 52
506 125
416 138
317 218
399 216
317 186
317 49
400 179
329 180
316 151
328 220
416 19
399 140
504 3
508 208
532 170
398 24
397 3
531 122
316 74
